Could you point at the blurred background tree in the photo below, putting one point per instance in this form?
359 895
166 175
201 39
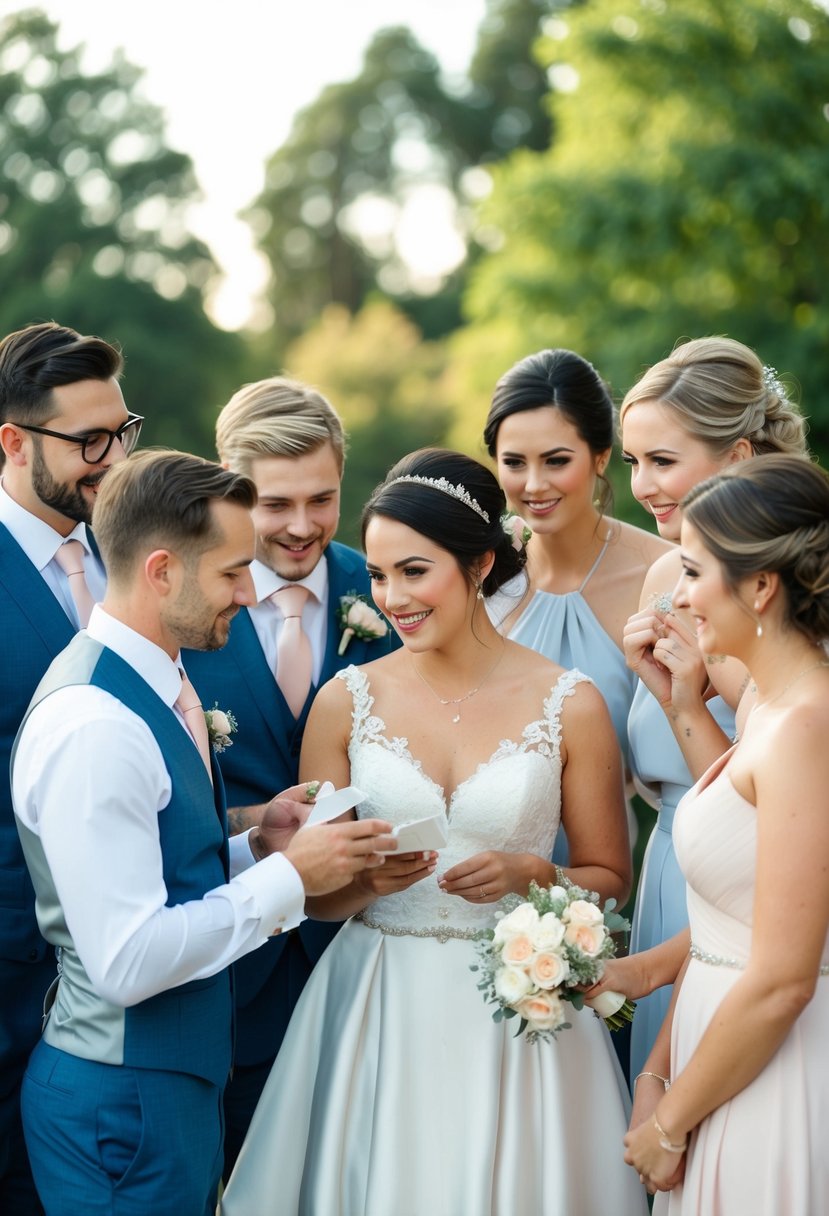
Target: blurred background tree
376 153
386 384
93 230
659 171
685 194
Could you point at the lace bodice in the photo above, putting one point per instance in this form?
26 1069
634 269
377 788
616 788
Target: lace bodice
512 803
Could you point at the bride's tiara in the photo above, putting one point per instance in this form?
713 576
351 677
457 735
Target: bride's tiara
446 487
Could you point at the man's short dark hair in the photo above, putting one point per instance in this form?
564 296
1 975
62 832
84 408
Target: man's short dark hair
39 358
160 499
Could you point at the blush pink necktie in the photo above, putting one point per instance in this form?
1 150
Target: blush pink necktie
193 714
70 559
294 657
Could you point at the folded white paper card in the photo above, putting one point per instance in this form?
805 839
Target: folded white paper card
421 834
330 802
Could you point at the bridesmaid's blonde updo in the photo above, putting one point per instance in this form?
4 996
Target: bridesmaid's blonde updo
720 392
771 513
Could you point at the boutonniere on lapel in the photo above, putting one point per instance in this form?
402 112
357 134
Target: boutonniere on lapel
221 724
359 620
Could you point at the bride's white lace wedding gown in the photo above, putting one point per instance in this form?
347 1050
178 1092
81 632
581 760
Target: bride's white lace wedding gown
395 1094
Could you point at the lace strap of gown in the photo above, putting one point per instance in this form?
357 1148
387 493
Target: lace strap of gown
543 735
364 725
564 687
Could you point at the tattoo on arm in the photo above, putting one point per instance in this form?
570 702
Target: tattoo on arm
239 820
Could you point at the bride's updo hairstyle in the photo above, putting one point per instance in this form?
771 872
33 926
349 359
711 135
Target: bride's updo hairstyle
567 382
771 513
446 518
720 392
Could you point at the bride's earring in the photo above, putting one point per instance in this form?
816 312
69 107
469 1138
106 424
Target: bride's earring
759 622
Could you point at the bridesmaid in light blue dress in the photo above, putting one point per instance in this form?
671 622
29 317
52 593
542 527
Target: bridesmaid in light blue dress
710 404
550 430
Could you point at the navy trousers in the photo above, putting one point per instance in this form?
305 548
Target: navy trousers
106 1140
23 986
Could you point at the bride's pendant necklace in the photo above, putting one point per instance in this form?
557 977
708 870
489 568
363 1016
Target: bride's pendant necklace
467 695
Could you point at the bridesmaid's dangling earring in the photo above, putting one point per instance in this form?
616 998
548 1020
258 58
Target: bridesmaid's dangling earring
479 591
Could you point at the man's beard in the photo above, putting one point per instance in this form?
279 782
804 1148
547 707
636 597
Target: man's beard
62 497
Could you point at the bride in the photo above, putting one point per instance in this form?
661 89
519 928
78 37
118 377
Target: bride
394 1090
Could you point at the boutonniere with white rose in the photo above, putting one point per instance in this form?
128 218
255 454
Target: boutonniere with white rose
221 724
542 952
359 620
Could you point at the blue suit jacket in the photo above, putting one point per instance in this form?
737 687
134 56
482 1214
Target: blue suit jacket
263 760
34 629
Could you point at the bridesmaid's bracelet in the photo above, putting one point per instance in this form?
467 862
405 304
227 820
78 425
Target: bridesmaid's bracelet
664 1142
656 1075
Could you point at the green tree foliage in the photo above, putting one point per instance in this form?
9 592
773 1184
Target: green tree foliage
685 195
368 142
385 383
93 229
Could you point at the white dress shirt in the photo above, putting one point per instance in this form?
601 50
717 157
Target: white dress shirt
40 542
89 779
268 620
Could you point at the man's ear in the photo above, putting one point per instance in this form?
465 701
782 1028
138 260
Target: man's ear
13 441
163 572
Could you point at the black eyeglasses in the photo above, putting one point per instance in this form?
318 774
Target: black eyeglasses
95 445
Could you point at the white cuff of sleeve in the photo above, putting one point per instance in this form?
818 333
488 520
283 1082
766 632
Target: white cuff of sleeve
278 891
241 854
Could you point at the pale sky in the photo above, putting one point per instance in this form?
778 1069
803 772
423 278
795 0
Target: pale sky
230 77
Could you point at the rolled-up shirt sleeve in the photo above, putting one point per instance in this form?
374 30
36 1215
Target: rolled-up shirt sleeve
89 780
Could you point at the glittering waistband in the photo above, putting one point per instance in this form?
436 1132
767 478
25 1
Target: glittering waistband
442 934
734 964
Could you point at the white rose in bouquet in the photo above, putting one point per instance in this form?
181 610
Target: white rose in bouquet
583 912
518 950
588 938
522 919
548 970
548 933
511 984
543 1011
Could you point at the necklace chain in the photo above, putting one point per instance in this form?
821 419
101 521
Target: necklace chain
799 676
460 700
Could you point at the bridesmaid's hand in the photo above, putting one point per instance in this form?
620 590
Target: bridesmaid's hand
641 634
488 877
398 872
680 655
658 1169
625 975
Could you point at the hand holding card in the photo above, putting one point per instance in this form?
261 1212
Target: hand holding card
421 835
330 803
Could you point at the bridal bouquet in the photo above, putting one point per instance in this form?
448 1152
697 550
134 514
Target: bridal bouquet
539 953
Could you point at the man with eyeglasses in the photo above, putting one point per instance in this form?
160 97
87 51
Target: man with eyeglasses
63 424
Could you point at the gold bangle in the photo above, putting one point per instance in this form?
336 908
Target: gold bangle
656 1075
664 1142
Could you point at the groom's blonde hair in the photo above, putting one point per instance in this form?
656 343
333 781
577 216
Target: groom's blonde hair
276 417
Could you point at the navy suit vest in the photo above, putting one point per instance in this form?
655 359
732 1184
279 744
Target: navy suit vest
187 1028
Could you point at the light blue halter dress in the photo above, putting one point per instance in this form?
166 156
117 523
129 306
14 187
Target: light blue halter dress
564 629
663 778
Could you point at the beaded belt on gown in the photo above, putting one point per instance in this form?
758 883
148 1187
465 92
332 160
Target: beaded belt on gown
735 964
443 933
